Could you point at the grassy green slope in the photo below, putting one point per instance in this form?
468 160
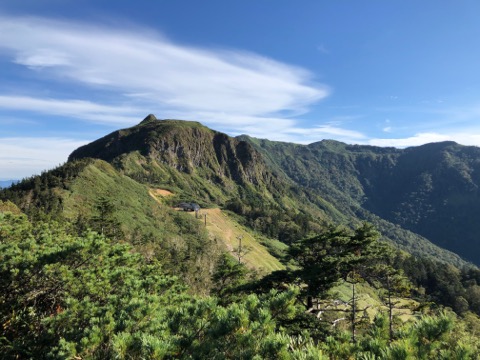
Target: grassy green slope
157 231
138 209
212 169
226 229
145 217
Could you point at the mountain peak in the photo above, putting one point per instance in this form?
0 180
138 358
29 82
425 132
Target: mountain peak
148 119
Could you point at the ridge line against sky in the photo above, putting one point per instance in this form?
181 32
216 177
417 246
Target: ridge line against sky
68 77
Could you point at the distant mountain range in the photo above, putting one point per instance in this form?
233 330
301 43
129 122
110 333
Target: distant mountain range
424 199
431 190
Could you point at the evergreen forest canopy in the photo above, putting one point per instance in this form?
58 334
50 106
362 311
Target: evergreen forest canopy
96 264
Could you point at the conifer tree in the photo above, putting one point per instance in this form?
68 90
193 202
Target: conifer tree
104 221
229 274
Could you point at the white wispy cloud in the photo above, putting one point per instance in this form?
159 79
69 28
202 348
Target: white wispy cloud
116 75
23 156
79 109
328 131
149 70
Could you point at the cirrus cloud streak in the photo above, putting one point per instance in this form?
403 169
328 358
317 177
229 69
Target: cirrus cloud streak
153 71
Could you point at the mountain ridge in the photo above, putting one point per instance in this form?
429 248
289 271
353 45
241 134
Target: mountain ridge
286 191
408 187
327 180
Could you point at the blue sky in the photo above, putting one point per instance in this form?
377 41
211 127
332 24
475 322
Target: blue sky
389 73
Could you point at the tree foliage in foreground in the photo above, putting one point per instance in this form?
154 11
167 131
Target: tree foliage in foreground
63 297
86 297
333 255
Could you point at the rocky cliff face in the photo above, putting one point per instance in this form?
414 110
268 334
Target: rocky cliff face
188 147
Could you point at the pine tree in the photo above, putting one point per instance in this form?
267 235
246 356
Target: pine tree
104 221
229 274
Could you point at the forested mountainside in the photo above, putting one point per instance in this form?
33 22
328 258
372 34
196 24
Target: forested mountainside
91 194
284 191
97 263
213 168
430 190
